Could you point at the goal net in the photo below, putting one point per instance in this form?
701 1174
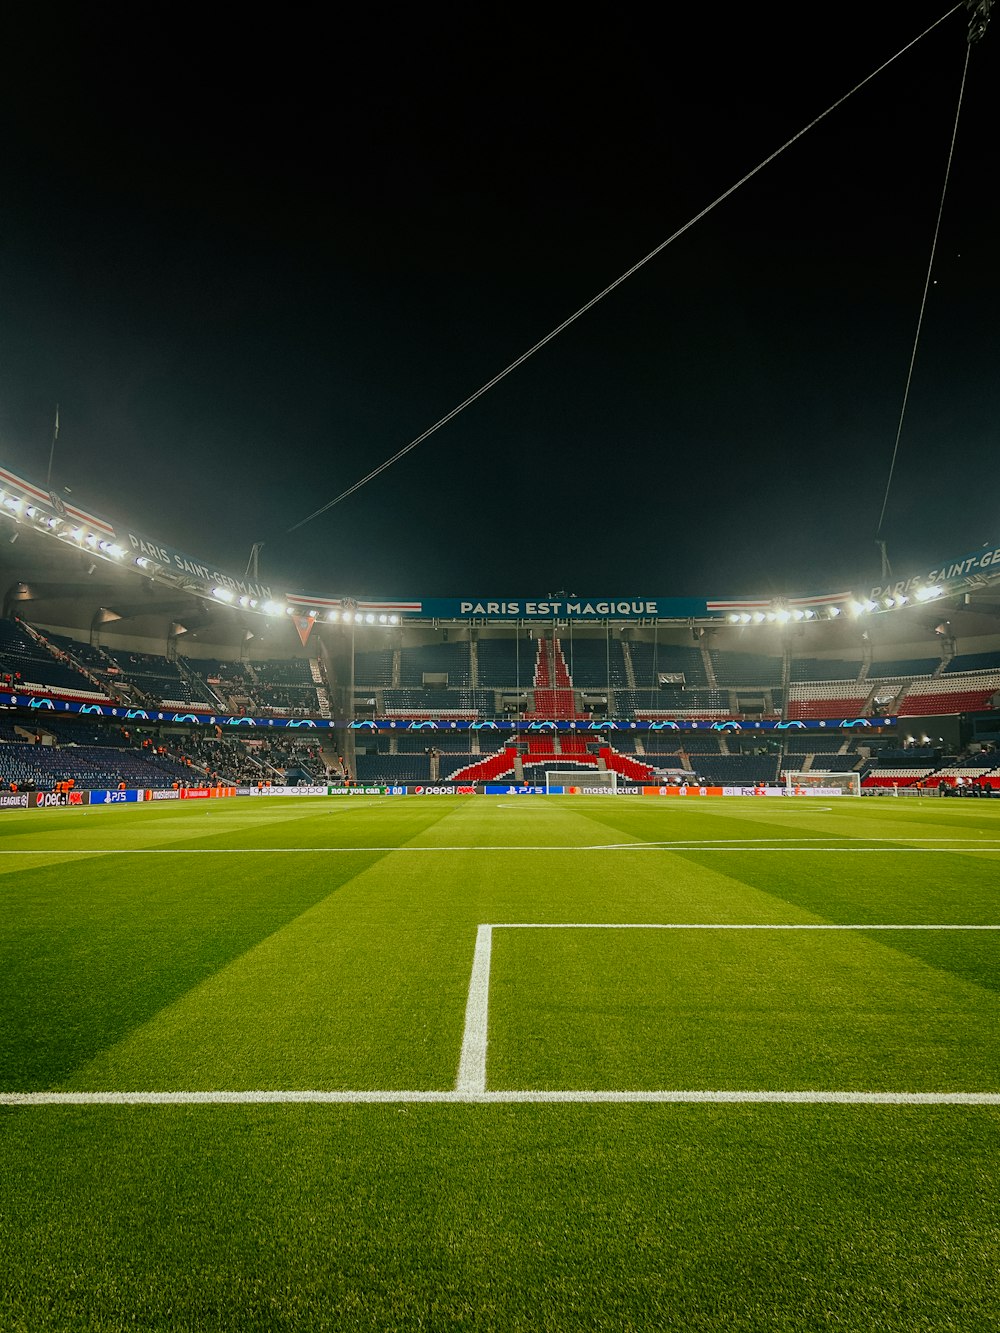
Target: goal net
805 784
580 781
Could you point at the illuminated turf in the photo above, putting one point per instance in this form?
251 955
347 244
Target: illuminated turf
322 950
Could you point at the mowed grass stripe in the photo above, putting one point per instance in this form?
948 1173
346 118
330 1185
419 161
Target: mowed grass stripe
363 989
88 956
706 1008
88 953
519 1218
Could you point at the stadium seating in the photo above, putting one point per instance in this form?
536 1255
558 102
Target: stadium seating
973 662
26 660
505 662
826 699
158 678
90 767
439 659
490 769
903 667
743 670
648 705
595 664
805 669
373 669
393 768
631 769
949 694
286 686
737 770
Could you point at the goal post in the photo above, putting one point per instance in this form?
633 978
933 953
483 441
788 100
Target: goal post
579 781
804 784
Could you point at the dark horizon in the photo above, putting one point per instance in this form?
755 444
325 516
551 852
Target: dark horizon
250 275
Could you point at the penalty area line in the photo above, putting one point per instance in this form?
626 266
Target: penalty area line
471 1096
472 1062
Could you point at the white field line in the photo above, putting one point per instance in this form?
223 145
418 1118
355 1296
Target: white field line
471 1083
460 1096
674 925
472 1062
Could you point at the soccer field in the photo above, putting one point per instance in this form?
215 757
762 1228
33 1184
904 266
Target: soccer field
501 1063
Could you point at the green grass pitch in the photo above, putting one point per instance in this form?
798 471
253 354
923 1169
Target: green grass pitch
501 1063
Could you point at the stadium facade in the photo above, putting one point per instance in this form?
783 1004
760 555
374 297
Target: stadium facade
110 624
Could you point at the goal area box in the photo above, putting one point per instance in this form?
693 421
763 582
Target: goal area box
580 782
804 784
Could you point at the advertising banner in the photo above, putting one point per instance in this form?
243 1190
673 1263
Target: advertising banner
157 555
564 607
40 800
358 791
683 791
115 797
54 703
162 794
13 800
279 791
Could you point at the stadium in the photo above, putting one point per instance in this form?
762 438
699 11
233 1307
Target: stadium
466 953
223 681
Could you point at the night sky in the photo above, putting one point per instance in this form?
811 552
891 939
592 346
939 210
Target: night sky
250 263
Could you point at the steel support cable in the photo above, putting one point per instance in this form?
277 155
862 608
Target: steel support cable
485 388
923 299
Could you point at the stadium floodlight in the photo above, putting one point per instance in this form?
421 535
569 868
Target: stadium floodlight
358 618
383 619
77 534
31 511
927 594
332 615
810 614
770 617
834 612
798 615
782 616
855 608
733 618
902 599
758 617
369 619
394 620
870 605
271 609
888 603
223 594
